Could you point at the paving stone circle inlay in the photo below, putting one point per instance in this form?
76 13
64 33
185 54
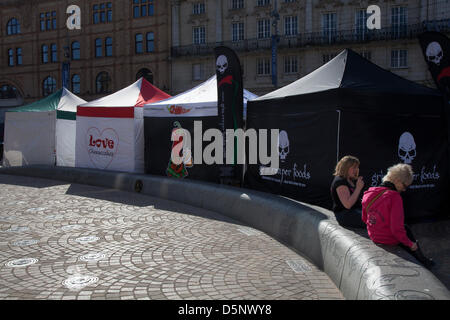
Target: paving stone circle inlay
87 239
298 266
77 282
24 262
18 229
25 242
71 227
93 257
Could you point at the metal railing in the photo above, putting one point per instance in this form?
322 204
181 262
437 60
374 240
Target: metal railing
318 39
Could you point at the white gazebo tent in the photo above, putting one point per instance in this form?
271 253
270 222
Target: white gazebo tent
110 129
42 132
198 101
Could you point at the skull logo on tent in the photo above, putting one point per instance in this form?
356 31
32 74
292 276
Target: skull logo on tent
283 145
434 53
222 64
407 148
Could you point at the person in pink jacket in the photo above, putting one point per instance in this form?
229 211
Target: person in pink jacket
382 212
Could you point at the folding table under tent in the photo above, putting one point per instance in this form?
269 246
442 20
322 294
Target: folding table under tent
38 132
160 118
110 129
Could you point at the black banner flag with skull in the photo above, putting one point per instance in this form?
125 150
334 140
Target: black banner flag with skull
436 51
230 93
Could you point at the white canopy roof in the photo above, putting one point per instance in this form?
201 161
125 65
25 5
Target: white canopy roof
198 101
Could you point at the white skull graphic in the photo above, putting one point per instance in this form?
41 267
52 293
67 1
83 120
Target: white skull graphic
434 53
222 64
283 145
407 148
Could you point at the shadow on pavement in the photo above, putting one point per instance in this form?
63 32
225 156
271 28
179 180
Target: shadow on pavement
29 181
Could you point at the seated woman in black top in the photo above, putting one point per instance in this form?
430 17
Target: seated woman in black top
346 193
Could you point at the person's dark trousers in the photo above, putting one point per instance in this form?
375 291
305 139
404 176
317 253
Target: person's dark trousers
350 218
418 254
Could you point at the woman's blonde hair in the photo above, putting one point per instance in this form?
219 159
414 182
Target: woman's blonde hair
400 172
344 164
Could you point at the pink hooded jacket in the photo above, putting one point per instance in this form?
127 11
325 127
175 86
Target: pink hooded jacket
385 219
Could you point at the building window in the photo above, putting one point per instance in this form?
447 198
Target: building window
237 4
76 55
76 84
44 53
291 26
198 8
264 29
49 86
108 47
48 21
327 57
13 26
399 19
289 1
263 3
263 67
237 31
329 26
150 42
10 57
197 72
367 55
146 74
199 35
19 56
361 24
399 58
54 52
8 92
103 82
290 64
98 48
143 8
102 12
138 43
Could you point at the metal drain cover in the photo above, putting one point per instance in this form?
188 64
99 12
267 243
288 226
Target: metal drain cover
298 266
87 239
93 257
18 229
21 262
26 242
71 227
79 281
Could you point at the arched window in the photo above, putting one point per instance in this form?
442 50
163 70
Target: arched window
54 52
103 82
108 47
10 57
76 84
8 92
147 74
138 46
13 26
76 55
98 48
150 42
49 86
44 53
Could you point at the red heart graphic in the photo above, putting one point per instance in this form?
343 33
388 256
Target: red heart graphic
102 146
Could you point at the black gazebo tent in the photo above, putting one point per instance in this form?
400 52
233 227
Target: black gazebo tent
352 106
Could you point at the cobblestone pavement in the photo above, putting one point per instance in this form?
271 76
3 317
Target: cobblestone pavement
61 241
434 238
